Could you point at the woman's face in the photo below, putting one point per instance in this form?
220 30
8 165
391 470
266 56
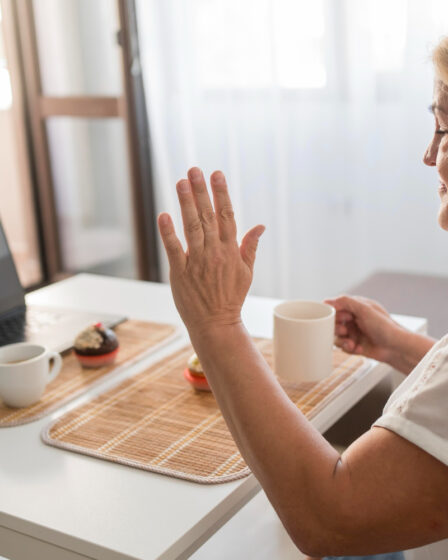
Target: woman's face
437 151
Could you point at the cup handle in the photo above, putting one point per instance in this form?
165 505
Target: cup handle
54 371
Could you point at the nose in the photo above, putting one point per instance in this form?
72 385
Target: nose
430 156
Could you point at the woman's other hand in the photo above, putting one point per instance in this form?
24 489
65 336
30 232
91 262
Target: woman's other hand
209 280
364 327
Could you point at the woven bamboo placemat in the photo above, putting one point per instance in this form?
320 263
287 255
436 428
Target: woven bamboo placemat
155 421
137 338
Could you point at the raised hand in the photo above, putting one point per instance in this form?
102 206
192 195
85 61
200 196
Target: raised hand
209 280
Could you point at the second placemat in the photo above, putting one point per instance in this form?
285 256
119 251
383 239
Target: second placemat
157 422
137 338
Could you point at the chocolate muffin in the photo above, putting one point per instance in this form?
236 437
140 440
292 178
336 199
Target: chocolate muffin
96 346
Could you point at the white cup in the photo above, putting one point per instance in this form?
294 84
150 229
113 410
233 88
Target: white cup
25 371
303 340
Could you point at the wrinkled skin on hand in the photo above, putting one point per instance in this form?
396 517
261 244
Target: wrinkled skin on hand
209 280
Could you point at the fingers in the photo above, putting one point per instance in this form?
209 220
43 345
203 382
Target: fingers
346 330
374 304
344 343
348 337
349 310
344 316
194 233
173 246
204 206
249 244
223 207
341 329
355 304
345 303
205 226
198 213
348 345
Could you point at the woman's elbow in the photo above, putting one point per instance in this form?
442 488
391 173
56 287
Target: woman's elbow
320 537
316 545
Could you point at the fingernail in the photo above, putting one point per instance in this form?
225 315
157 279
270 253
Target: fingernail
194 173
163 220
218 177
183 186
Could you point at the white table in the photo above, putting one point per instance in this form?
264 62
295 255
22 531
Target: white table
58 505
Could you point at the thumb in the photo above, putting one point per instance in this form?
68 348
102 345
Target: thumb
248 247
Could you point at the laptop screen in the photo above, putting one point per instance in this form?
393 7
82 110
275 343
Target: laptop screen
11 292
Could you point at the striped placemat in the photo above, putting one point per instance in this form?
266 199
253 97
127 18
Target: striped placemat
136 338
155 421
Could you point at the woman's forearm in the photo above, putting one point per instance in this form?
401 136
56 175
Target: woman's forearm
360 503
280 446
409 350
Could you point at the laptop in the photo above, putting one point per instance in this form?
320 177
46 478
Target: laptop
53 327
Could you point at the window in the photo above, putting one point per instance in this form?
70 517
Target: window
388 21
260 44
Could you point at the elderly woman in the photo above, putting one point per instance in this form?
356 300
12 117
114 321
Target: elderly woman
389 490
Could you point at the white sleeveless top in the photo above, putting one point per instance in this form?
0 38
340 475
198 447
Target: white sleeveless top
418 411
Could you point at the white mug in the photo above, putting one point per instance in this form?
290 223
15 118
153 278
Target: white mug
303 340
25 371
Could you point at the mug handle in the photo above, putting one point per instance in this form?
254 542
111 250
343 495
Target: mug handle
54 371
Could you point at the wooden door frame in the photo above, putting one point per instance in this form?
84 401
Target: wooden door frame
37 140
130 107
136 118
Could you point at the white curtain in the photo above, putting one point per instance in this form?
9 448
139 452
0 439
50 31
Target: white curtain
316 111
